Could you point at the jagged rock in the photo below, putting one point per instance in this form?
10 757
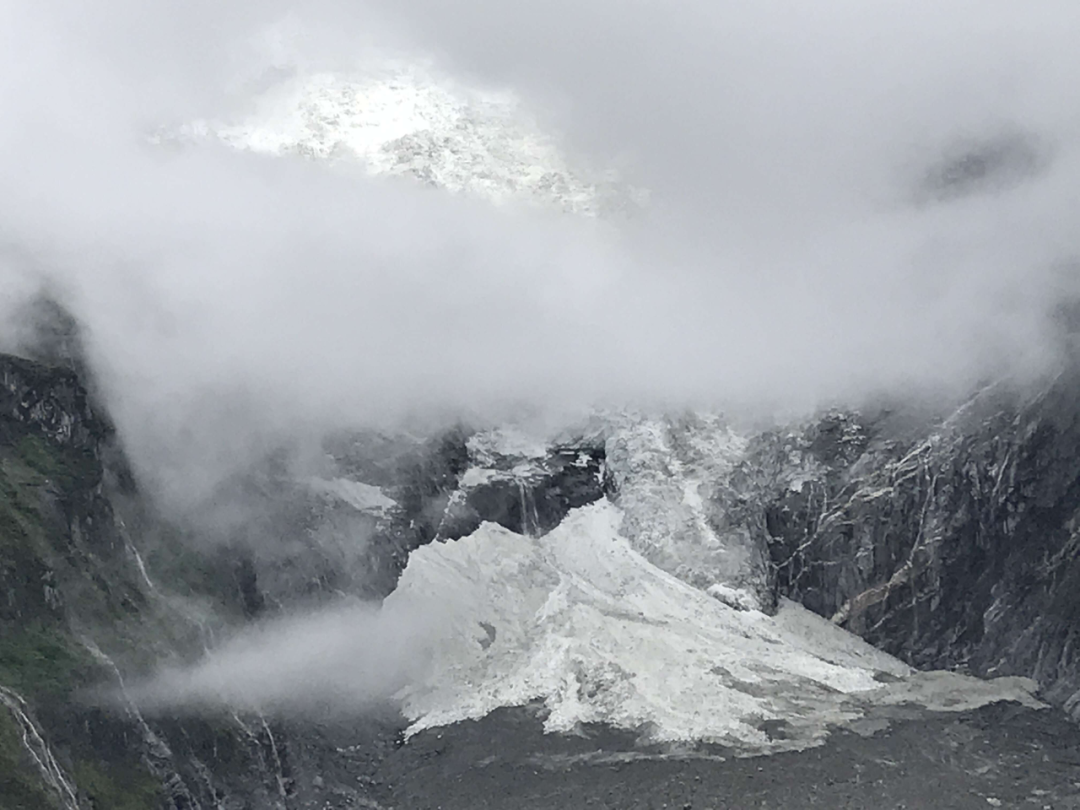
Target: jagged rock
956 549
48 401
67 570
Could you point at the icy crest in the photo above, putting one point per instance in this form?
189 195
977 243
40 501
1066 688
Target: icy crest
405 119
582 622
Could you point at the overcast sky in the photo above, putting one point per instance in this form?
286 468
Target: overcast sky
800 246
848 198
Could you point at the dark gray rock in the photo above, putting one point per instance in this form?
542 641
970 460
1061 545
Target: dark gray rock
1002 755
528 496
950 542
953 549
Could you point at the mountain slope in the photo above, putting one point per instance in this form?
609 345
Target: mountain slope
663 589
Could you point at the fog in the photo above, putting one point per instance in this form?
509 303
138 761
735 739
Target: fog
792 253
848 199
350 658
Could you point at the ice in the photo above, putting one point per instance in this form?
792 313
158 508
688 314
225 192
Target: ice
582 622
666 472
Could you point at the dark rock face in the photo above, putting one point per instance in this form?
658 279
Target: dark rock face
530 497
956 549
50 402
57 521
65 567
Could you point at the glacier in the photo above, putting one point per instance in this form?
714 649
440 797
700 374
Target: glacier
646 610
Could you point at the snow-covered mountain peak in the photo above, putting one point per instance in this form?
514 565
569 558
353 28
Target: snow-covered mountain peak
635 590
404 118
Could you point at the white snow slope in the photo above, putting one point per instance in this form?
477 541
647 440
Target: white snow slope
579 620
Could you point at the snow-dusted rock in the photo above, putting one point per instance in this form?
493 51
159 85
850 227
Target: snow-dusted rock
667 473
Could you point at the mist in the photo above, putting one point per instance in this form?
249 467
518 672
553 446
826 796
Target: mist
795 251
350 658
848 199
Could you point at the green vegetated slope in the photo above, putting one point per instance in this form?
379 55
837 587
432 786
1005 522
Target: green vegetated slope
62 573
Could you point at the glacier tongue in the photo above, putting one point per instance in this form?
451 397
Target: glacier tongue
645 613
579 620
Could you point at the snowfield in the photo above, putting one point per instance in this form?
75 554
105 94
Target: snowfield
580 621
408 120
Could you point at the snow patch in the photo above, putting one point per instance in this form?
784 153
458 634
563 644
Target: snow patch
404 118
489 446
362 497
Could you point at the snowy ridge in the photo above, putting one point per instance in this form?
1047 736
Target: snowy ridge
405 119
581 621
643 613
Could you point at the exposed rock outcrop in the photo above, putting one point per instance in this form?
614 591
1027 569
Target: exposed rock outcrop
951 543
956 548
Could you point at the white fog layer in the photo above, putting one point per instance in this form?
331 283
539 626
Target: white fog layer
274 224
810 234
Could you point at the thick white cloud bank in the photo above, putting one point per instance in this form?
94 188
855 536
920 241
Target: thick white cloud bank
845 198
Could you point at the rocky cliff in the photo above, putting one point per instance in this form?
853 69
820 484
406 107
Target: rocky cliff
81 611
65 571
952 548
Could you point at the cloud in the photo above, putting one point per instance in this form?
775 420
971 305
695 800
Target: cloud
797 248
352 657
849 198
